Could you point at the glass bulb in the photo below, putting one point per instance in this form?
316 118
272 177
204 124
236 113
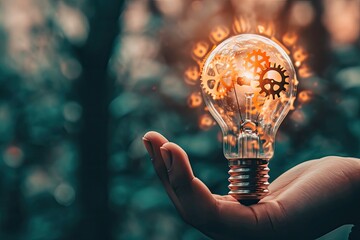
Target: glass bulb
248 84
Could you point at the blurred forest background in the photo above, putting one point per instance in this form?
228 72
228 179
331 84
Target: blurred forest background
81 81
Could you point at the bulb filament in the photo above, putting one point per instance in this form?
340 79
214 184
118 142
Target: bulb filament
248 105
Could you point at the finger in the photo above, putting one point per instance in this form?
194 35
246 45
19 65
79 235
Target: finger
153 141
198 204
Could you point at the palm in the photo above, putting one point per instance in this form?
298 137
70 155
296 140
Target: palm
302 202
306 202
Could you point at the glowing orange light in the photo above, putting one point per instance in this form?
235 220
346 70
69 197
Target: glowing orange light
292 103
305 71
206 122
299 55
194 100
305 96
230 139
281 45
218 34
191 75
266 141
254 145
267 29
241 25
289 39
201 49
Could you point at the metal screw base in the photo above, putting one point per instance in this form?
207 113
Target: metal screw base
248 179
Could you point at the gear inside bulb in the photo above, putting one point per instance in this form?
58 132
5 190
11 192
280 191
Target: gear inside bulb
222 74
275 83
248 82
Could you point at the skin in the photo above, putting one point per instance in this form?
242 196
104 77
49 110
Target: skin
305 202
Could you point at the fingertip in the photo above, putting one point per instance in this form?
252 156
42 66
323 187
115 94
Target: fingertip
153 141
176 150
154 136
149 133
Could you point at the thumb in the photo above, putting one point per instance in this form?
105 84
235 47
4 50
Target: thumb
198 203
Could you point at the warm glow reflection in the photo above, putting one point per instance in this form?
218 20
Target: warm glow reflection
289 41
206 122
192 75
304 96
195 100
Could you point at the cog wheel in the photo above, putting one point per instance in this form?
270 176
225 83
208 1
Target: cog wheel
271 86
256 61
219 77
258 102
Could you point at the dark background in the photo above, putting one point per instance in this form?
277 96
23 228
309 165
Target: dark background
81 81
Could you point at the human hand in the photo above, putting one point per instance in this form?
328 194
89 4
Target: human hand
306 202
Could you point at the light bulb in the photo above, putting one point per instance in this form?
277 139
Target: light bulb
248 83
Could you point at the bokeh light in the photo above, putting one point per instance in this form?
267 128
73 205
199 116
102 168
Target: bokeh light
156 50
